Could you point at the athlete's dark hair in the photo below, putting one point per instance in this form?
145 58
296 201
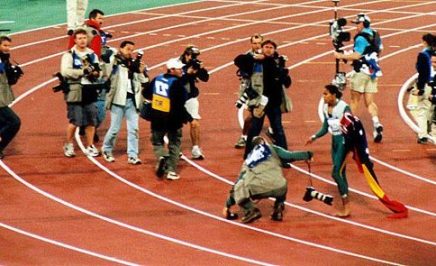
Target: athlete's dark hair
333 89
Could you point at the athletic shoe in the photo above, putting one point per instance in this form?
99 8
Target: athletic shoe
160 168
92 151
240 144
69 150
108 156
251 216
378 133
134 160
172 175
197 154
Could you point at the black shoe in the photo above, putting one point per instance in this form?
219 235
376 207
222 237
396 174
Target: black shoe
277 214
251 216
286 165
160 169
423 140
308 195
230 215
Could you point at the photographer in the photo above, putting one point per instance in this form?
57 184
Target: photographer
80 68
9 75
123 100
256 52
268 77
193 71
367 46
261 177
422 89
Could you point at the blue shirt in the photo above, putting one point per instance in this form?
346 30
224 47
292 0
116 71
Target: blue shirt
361 43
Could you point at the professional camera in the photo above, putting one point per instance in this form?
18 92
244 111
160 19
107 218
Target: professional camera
136 62
311 193
63 86
13 73
337 33
248 94
195 63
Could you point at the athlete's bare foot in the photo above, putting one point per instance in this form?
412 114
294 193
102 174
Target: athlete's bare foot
346 211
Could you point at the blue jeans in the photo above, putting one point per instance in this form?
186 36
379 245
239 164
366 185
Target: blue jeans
117 114
274 115
9 125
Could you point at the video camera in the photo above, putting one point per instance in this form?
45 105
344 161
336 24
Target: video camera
337 33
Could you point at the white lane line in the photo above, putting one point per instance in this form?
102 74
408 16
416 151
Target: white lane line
113 15
124 225
341 220
181 205
66 246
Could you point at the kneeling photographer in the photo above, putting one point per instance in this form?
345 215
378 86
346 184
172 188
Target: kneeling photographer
9 75
268 76
81 71
193 72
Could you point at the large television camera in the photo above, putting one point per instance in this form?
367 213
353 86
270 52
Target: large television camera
337 33
339 36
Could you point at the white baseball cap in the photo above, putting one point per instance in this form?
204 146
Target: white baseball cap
174 63
361 18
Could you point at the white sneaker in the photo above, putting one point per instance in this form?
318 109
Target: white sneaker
197 154
92 151
134 160
172 175
69 150
378 132
108 156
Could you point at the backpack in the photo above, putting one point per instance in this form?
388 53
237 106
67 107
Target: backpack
374 40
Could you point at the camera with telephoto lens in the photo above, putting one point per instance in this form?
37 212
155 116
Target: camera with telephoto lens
195 63
136 63
337 33
248 94
63 86
311 193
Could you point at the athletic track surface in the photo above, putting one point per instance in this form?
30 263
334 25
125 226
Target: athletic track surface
81 211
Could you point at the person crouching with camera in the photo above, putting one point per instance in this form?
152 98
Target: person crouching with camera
80 68
9 75
123 100
193 71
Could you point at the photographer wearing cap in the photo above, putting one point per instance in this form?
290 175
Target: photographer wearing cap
81 70
193 72
367 46
168 114
9 75
124 99
268 77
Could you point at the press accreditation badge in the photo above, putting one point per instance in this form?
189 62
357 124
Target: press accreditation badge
161 100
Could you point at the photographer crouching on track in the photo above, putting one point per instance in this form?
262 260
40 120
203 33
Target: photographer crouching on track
193 71
268 75
9 75
80 70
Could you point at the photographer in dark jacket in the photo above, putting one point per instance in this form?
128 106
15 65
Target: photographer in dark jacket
9 75
168 114
268 77
193 71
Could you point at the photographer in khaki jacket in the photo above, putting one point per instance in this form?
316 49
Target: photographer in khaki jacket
124 100
9 75
80 68
261 177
